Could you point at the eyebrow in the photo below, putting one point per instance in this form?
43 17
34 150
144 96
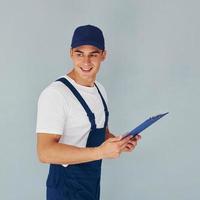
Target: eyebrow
79 51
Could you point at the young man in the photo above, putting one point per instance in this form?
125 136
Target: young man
72 123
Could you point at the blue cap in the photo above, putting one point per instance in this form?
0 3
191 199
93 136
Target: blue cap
88 35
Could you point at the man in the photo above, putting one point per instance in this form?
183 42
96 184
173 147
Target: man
72 123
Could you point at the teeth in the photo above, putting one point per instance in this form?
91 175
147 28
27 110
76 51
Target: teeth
86 69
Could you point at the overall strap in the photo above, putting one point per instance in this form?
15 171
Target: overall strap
105 107
90 114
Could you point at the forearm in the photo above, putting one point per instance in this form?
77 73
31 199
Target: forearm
58 153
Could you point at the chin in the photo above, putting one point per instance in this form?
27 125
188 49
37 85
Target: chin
87 74
87 77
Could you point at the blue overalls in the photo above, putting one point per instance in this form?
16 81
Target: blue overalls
79 181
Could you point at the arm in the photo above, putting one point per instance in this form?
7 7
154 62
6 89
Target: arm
48 147
51 151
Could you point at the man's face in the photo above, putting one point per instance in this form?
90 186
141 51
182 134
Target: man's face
87 60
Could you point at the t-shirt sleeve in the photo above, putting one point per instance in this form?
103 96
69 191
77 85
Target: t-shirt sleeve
51 115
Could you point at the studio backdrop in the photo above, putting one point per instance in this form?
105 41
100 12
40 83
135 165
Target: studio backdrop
152 67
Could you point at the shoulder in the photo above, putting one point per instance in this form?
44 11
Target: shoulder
51 90
55 92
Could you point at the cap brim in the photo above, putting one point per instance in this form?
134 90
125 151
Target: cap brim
80 43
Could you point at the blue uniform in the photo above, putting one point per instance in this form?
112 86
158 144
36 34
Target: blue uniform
79 181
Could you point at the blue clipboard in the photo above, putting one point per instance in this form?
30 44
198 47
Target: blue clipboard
144 125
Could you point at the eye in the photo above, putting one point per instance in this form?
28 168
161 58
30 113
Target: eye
94 55
79 55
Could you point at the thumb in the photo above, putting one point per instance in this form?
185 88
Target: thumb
115 139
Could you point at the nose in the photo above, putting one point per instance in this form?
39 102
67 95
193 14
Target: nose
86 60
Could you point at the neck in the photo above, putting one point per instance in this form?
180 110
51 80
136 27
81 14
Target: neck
88 82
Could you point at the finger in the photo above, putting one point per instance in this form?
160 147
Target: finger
125 140
133 142
128 148
138 137
132 148
125 145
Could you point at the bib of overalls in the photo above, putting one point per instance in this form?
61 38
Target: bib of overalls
79 181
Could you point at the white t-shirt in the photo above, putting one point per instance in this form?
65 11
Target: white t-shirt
60 112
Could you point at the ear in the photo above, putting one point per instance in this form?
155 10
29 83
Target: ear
104 55
71 52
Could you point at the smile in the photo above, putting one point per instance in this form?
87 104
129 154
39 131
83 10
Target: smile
86 70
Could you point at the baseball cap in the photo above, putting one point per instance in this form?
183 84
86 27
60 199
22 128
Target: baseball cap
88 35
